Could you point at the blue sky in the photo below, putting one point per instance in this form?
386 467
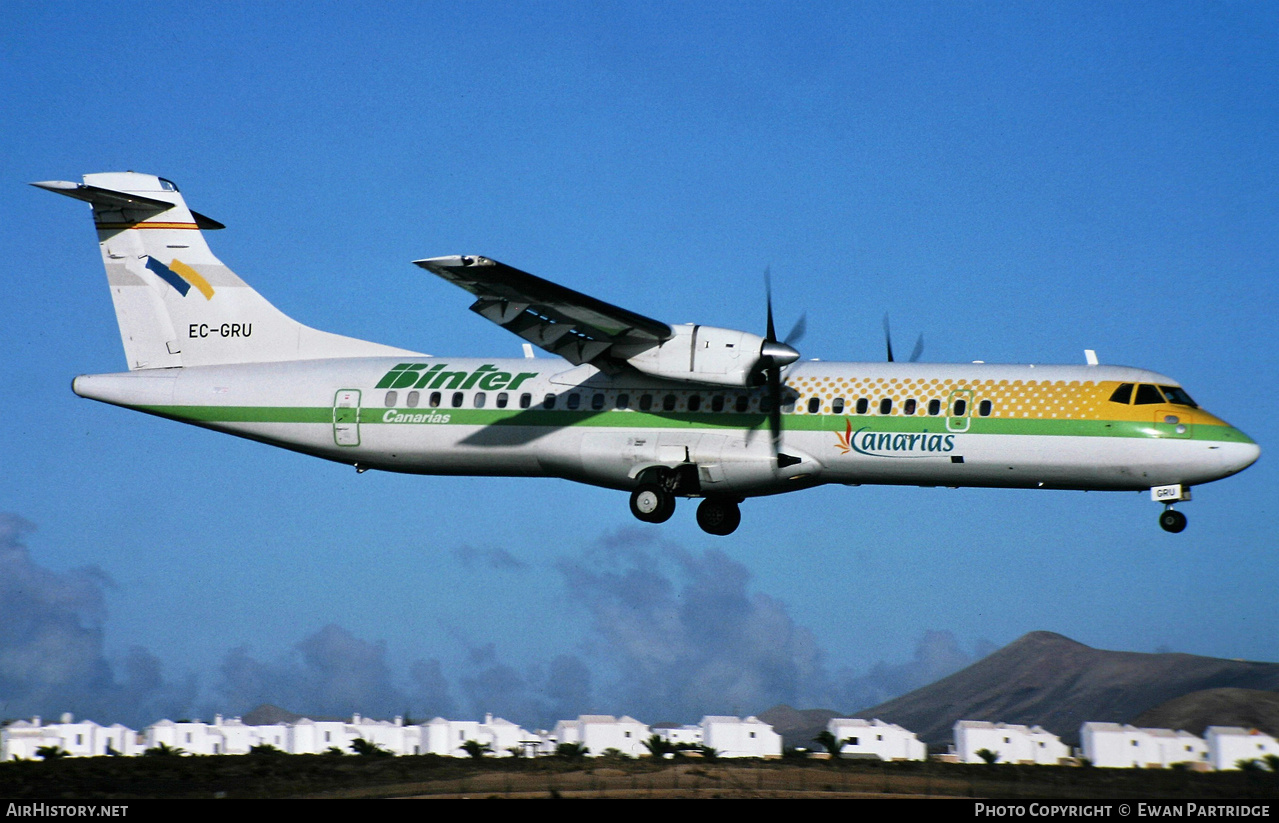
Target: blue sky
1017 183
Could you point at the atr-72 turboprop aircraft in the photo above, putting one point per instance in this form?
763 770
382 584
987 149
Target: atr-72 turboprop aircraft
627 402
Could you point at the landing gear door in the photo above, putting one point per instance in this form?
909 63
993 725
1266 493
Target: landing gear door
346 417
958 408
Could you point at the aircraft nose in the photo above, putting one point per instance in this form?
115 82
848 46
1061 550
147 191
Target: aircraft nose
1243 455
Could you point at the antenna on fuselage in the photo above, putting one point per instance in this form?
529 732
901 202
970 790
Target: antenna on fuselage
1090 357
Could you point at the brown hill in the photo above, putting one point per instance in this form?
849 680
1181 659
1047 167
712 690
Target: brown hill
1049 680
1194 712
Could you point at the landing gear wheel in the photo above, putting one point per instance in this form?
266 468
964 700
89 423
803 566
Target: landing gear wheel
718 516
1172 521
652 504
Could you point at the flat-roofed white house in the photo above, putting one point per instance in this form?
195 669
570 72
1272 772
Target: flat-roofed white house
1120 746
601 732
680 735
446 737
1012 742
24 738
740 737
887 741
1227 745
307 736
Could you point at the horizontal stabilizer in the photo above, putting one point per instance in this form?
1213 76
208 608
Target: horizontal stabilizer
106 198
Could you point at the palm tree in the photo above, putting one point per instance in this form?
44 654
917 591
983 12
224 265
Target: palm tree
658 746
364 747
988 756
164 750
476 749
571 751
52 753
265 748
828 742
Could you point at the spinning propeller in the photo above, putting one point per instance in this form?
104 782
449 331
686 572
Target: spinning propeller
888 342
774 355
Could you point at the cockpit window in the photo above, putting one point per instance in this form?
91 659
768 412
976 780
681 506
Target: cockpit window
1177 395
166 185
1148 394
1123 394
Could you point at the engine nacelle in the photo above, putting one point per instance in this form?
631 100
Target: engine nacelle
703 354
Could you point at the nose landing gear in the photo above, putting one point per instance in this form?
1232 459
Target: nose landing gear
1172 520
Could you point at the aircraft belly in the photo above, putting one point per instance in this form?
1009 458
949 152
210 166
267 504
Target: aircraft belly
1027 461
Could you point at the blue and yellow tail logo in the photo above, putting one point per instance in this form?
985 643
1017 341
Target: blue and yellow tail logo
181 277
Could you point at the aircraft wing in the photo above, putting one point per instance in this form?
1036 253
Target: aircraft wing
561 321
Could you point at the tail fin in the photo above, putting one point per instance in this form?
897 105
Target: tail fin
177 304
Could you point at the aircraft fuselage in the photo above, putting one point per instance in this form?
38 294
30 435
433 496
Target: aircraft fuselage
1012 426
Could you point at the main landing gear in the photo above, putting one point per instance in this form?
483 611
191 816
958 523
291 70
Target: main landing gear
716 515
653 501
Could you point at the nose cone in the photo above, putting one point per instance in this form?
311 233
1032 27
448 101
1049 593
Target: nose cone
779 353
1242 455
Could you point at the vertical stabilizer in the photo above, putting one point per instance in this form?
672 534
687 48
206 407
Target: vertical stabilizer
176 303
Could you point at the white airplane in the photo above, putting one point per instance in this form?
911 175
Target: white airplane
626 402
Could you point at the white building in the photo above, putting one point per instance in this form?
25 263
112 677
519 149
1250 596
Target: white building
735 737
1227 745
1118 746
601 732
680 735
446 737
308 736
887 741
1013 743
24 738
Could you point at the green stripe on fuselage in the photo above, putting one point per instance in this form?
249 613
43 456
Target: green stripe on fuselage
632 419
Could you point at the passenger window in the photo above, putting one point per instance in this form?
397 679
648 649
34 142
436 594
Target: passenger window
412 399
597 402
1147 395
548 402
717 403
390 399
886 406
961 408
765 404
863 405
837 405
501 400
574 400
934 407
1123 394
668 402
623 402
434 401
814 404
743 402
526 400
479 400
694 402
984 408
909 407
457 400
646 402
